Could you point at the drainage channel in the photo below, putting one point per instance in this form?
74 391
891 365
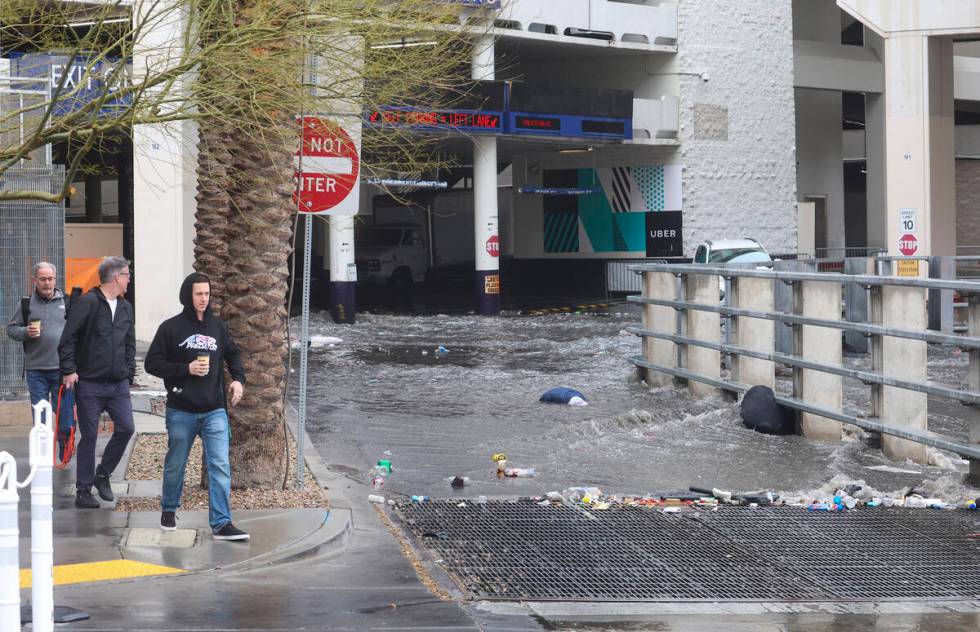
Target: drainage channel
523 551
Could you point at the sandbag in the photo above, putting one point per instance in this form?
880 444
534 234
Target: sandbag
563 395
762 413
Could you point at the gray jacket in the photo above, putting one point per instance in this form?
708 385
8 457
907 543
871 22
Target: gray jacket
41 354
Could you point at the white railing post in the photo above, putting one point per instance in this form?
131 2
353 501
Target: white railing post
819 299
9 552
757 334
663 286
705 326
42 531
902 308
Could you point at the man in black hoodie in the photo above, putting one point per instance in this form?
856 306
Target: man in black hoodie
181 354
97 353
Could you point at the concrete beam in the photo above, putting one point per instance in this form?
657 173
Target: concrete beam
920 17
817 65
706 326
818 299
754 333
663 286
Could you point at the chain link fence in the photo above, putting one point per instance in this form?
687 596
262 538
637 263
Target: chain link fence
30 231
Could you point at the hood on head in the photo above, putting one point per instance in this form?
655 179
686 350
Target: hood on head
187 287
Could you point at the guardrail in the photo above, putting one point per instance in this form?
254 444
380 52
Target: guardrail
682 338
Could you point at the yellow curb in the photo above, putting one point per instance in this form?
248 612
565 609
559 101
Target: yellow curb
100 571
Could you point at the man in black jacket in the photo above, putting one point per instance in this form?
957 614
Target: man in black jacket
181 354
97 353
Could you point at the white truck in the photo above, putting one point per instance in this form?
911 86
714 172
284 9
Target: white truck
391 254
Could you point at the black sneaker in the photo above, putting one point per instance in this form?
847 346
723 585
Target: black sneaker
168 521
102 485
230 532
85 500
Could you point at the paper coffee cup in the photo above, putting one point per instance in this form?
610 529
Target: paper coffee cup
36 322
205 358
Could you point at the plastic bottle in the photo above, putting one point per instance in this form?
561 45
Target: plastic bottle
376 499
378 476
520 472
420 499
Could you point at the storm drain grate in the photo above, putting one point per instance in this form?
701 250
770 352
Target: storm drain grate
520 550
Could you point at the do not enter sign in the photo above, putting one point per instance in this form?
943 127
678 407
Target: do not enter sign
327 168
908 245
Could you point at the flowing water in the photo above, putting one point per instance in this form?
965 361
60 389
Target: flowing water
380 390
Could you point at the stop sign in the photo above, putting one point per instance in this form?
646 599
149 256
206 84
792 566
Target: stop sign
493 246
327 166
908 245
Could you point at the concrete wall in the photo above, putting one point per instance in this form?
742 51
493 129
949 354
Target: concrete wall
968 203
819 147
737 124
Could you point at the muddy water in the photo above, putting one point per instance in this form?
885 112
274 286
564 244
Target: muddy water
383 391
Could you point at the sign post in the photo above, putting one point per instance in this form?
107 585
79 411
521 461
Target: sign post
327 175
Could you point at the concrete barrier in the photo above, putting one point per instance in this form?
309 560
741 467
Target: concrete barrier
817 299
902 308
756 334
706 326
660 285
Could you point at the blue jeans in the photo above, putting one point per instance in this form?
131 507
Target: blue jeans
212 426
44 384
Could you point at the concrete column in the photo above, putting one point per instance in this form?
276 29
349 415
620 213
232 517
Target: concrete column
343 270
705 326
659 285
486 234
974 382
754 333
901 308
940 302
164 188
920 172
93 198
856 302
818 299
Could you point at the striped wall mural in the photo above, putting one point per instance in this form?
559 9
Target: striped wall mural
612 220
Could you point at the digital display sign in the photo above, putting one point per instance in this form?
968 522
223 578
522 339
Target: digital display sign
439 119
613 128
543 124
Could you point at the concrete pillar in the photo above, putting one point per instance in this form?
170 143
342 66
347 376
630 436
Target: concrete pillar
920 171
705 326
856 302
818 299
874 143
973 382
901 308
93 198
343 270
659 285
756 334
164 188
486 234
940 303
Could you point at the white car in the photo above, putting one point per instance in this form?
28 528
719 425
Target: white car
732 251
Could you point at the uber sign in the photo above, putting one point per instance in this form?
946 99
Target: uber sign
665 237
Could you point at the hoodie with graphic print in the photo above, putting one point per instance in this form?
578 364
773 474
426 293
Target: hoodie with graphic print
178 342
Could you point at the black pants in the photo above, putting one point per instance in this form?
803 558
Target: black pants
92 398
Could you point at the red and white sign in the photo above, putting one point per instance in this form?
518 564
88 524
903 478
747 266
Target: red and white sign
327 169
493 246
908 245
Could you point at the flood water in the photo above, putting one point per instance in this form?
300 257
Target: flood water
382 391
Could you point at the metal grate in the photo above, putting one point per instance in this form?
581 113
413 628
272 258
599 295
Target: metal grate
30 231
519 550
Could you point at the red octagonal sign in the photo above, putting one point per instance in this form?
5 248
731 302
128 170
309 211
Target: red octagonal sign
908 245
326 167
493 246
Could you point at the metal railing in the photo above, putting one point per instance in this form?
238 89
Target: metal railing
682 338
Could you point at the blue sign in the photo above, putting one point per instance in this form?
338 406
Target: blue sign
82 81
559 190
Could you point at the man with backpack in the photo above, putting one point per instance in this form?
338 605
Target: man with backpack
98 360
38 324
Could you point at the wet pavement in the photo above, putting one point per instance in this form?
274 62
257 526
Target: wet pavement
382 391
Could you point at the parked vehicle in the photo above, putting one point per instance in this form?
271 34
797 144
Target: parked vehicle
391 254
732 251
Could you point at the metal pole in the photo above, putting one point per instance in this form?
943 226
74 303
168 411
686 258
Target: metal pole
42 532
9 547
304 341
